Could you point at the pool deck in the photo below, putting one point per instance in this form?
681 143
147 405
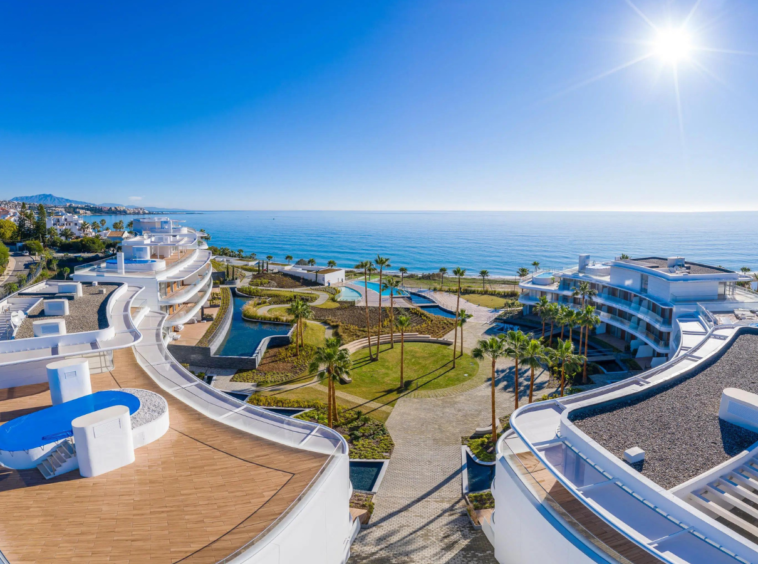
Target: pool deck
195 495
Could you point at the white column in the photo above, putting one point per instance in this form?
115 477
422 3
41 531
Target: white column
120 261
68 379
103 440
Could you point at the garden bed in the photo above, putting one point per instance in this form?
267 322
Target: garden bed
224 303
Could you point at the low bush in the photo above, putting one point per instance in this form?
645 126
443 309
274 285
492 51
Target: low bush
276 296
226 300
279 365
483 500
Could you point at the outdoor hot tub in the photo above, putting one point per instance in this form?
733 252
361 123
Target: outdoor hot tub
543 279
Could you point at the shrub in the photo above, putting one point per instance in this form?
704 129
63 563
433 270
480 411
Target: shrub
92 245
483 500
34 247
226 298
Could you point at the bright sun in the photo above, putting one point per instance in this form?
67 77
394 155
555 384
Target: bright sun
672 45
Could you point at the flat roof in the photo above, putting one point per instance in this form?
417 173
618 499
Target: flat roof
658 263
195 495
329 270
677 424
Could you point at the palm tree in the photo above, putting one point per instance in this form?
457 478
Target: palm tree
391 284
335 362
484 274
624 256
464 317
331 264
541 308
564 356
443 271
269 258
585 291
570 318
516 343
311 262
533 356
403 271
130 226
403 322
288 258
365 266
563 314
102 223
305 313
459 273
295 310
67 234
553 311
536 265
493 348
66 270
240 253
523 272
381 262
588 320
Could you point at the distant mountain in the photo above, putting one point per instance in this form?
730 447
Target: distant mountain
49 200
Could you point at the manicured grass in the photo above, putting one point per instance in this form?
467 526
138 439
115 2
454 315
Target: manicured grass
427 367
314 393
328 304
315 334
493 302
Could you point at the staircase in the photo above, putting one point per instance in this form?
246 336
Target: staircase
61 460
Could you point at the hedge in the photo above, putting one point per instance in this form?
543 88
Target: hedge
226 300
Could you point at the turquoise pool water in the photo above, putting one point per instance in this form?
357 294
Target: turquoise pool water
545 275
54 423
437 310
364 474
348 295
375 287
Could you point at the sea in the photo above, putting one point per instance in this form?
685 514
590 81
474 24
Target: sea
500 242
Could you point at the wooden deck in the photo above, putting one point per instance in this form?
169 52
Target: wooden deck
579 512
194 496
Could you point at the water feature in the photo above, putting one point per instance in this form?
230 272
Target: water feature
287 411
245 336
437 310
348 295
374 286
480 476
365 473
418 299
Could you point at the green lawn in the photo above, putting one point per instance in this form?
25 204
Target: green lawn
427 367
493 302
315 334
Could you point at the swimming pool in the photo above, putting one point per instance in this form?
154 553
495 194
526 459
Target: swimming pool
54 423
244 336
437 310
375 287
131 261
418 299
348 295
364 474
479 476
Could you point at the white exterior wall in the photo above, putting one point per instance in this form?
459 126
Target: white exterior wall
695 290
625 277
658 287
525 531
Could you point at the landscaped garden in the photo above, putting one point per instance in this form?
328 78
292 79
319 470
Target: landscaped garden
427 367
490 301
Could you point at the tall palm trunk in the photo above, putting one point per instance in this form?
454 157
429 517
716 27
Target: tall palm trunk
330 407
455 329
586 346
461 351
297 341
402 359
379 330
334 403
531 386
368 319
543 329
515 384
392 318
551 333
494 423
563 377
563 328
571 333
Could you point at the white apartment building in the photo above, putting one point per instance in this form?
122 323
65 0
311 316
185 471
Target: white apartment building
61 221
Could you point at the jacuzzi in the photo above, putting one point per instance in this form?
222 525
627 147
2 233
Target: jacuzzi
543 279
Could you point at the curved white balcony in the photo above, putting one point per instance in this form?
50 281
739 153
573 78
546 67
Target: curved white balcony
189 311
181 296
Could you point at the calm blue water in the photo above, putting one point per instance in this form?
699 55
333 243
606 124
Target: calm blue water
480 476
374 286
54 423
286 411
363 474
420 300
348 295
437 310
245 336
500 242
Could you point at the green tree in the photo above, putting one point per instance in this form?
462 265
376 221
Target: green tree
102 223
298 310
269 258
118 225
624 256
382 263
459 273
541 309
403 322
92 245
311 262
536 265
443 271
40 224
34 247
516 343
5 256
533 356
745 269
288 258
12 288
495 349
391 284
464 317
484 274
553 311
588 320
67 234
130 227
585 291
8 230
403 271
565 357
66 271
331 264
365 266
523 272
331 362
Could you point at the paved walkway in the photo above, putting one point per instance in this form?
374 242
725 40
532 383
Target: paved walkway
478 313
420 516
322 297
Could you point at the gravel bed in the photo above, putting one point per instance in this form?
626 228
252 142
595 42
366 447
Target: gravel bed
678 425
87 313
151 407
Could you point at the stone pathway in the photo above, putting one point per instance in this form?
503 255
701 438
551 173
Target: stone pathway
419 515
322 297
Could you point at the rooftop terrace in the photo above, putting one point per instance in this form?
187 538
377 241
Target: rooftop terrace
677 425
658 263
195 495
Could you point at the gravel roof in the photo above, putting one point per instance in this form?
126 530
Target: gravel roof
151 406
86 313
658 263
678 425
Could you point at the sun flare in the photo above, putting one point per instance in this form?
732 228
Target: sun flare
672 45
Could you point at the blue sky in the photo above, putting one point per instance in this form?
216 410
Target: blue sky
378 105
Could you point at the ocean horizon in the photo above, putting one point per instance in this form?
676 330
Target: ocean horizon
500 242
